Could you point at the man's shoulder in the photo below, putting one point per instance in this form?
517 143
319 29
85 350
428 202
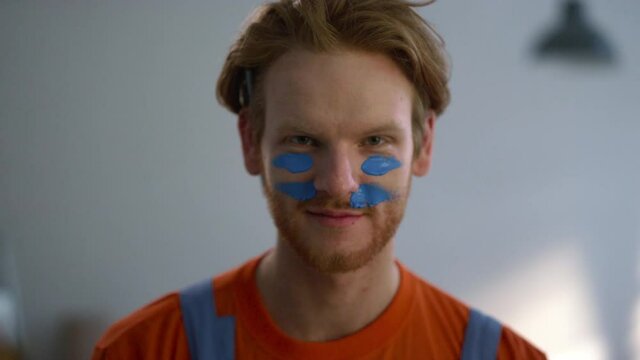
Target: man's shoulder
158 309
515 346
454 312
160 321
434 298
146 329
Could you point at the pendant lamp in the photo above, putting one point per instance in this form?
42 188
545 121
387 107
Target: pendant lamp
575 39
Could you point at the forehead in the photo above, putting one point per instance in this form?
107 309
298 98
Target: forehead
341 91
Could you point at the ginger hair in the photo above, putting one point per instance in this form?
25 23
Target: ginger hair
390 27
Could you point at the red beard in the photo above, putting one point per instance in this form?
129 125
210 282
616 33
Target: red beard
293 227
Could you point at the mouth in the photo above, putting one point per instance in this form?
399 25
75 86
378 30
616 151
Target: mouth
334 218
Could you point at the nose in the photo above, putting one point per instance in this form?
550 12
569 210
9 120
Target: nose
335 174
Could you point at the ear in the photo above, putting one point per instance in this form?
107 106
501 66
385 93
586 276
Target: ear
422 161
250 144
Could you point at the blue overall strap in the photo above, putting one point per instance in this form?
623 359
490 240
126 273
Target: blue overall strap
209 336
482 337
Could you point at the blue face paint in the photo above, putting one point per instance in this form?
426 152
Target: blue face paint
369 195
293 163
378 165
300 191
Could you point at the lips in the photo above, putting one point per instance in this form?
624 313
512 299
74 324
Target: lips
334 213
335 218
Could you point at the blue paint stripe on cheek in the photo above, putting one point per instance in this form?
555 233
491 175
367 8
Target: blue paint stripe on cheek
369 195
300 191
377 165
293 163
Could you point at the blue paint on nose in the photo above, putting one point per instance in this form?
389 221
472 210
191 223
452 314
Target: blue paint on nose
369 195
293 163
300 191
378 165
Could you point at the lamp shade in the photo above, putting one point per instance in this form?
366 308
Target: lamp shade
575 38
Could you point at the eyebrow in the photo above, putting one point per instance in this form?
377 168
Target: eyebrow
292 127
384 128
390 128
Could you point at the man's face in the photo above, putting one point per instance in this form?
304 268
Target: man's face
336 156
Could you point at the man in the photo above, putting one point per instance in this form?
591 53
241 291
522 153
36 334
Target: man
336 102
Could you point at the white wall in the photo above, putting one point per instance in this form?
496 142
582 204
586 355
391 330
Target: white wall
121 177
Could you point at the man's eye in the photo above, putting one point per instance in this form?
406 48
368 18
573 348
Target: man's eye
301 140
374 141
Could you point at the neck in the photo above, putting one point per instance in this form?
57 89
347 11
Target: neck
313 306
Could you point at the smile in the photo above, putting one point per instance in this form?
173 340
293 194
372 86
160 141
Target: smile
334 218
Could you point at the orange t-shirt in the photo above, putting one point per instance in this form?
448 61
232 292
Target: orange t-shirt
422 322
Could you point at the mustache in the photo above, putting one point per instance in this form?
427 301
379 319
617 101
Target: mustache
325 201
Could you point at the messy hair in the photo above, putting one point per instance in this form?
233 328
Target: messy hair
389 27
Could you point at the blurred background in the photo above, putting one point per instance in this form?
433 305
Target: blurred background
121 177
